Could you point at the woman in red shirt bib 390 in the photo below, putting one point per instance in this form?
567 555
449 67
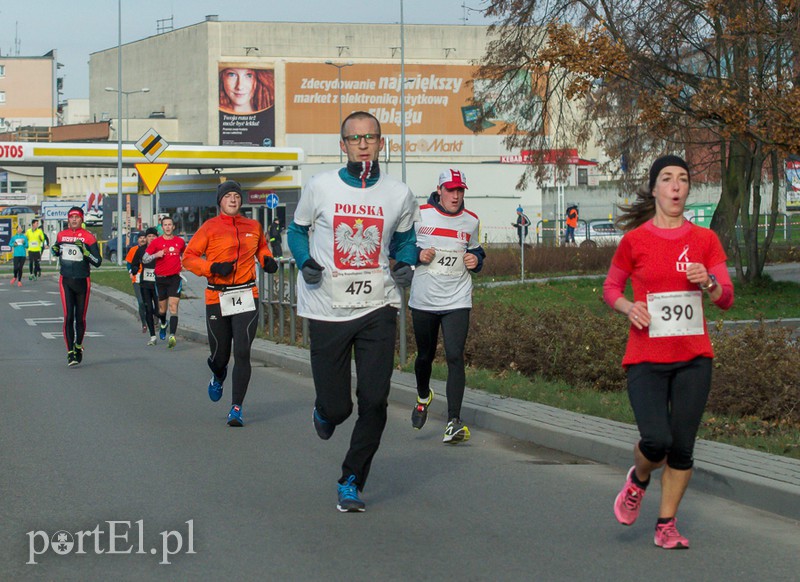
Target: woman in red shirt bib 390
671 263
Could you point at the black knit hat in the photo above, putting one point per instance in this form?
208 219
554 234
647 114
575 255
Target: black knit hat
228 186
664 162
151 230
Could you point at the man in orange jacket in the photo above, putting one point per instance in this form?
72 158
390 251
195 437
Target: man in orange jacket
572 224
225 250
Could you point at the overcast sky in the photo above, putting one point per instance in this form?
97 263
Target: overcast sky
78 28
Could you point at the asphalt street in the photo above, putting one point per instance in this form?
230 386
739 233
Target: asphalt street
129 440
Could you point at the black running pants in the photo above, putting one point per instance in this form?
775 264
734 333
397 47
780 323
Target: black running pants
150 301
238 330
455 326
372 339
75 302
19 264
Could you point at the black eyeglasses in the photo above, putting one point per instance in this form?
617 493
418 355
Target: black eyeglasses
367 137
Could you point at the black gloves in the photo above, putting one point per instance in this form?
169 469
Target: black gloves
312 272
222 269
402 274
270 265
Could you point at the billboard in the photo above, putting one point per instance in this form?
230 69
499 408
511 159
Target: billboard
439 116
246 105
793 183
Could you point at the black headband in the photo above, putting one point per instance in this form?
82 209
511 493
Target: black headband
664 162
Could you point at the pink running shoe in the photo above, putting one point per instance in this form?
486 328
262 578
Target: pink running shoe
667 536
629 501
19 283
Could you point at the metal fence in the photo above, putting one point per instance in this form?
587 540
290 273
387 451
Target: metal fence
278 304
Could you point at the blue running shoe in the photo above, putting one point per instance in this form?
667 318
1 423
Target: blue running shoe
162 332
235 416
214 389
348 496
323 427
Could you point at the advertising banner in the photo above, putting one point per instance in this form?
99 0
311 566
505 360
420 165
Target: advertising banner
6 227
439 115
246 105
793 184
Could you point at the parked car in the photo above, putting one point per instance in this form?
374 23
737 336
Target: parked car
600 233
93 218
110 248
12 210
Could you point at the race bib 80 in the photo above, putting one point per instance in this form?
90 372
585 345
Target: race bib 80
70 253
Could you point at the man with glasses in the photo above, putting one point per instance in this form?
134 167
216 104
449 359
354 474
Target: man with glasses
346 225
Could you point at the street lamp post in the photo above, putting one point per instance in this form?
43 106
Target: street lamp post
339 84
127 108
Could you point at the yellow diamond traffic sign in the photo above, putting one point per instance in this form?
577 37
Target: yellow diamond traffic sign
151 145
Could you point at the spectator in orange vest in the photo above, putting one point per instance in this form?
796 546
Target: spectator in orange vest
572 224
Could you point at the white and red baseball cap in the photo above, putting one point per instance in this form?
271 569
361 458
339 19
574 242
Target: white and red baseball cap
452 179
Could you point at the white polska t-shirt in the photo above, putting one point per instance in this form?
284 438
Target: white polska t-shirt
445 283
350 232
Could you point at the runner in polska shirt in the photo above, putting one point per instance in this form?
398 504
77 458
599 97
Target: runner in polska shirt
345 227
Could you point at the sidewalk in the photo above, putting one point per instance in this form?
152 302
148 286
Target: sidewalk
760 480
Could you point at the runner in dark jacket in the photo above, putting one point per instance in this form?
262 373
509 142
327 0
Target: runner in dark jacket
78 252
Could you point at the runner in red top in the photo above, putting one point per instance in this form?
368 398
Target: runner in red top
670 263
166 250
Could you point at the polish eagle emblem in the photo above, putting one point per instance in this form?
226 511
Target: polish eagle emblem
356 243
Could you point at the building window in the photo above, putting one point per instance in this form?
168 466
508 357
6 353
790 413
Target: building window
2 96
19 187
2 70
583 176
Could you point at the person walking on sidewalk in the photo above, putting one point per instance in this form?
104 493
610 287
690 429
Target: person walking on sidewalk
671 263
441 296
37 241
343 229
19 247
572 224
167 250
225 250
77 248
136 278
275 241
521 224
147 284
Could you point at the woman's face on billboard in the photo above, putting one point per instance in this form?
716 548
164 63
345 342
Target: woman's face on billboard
239 85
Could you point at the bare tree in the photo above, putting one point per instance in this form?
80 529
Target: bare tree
716 80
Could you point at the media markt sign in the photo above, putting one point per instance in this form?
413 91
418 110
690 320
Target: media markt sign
151 145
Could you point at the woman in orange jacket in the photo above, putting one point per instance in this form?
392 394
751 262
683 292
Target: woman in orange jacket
225 250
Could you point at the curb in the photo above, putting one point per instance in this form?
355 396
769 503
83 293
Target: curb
760 480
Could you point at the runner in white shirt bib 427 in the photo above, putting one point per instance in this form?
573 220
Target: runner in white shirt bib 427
344 227
441 295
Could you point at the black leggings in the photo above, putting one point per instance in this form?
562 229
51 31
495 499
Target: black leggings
371 338
74 301
240 330
668 402
150 301
455 326
34 266
19 264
